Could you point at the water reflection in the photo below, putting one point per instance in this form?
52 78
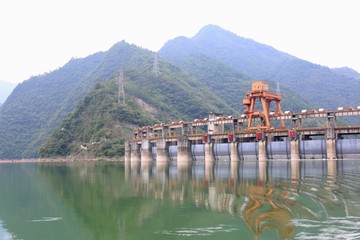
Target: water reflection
274 198
164 200
267 208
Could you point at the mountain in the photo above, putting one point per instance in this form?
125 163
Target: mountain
5 89
40 104
319 85
99 124
231 84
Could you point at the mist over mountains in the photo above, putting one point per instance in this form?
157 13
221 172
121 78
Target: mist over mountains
69 109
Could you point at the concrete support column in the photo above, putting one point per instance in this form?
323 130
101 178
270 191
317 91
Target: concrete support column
135 153
209 152
145 151
162 151
330 148
127 151
294 150
184 159
234 155
184 150
262 150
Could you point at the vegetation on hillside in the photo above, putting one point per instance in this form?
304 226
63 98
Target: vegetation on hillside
321 86
99 124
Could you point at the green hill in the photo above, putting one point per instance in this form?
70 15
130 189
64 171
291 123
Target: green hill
99 124
39 104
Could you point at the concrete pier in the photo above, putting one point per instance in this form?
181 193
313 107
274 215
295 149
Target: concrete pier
145 151
234 155
162 151
262 150
184 150
135 152
209 152
294 150
330 148
127 151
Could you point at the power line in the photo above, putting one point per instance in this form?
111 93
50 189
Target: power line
278 91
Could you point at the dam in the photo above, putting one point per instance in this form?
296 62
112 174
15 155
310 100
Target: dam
258 134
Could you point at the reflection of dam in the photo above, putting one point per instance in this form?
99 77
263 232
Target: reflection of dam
226 186
265 194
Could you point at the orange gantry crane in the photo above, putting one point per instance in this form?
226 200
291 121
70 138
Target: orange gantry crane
260 90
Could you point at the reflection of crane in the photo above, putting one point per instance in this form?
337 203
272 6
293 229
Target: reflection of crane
265 209
260 90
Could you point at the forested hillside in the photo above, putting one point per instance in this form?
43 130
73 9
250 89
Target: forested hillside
232 85
39 104
99 124
319 85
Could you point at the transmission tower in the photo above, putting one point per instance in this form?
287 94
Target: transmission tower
278 91
121 95
156 65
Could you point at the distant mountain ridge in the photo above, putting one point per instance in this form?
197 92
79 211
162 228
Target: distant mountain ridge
319 85
225 46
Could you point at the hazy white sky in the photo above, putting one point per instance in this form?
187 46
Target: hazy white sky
38 36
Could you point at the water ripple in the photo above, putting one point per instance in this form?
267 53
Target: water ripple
333 228
46 219
204 231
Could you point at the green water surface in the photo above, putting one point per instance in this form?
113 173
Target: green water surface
312 199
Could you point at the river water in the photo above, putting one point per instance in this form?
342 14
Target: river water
312 199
